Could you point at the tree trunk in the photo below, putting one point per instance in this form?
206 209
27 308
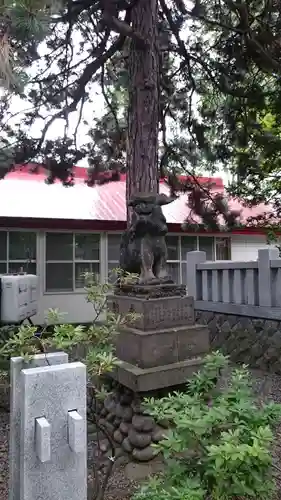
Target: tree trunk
143 109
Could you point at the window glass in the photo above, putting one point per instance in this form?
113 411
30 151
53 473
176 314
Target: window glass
22 267
206 244
3 245
59 246
22 245
188 244
85 267
59 277
223 248
3 267
173 247
113 244
87 246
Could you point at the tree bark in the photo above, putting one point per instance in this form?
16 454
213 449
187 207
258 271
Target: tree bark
143 108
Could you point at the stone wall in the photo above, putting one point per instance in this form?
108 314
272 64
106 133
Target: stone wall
134 432
254 341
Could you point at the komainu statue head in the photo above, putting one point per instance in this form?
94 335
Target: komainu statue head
147 213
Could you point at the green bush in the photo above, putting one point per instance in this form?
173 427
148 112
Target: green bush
96 339
219 444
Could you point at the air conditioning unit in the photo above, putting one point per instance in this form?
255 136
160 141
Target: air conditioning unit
19 297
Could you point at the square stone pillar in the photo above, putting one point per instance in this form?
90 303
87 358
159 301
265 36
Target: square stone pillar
164 346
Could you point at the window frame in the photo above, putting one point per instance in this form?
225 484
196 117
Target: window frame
9 261
74 261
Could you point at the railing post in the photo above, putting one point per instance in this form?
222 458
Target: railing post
192 259
265 255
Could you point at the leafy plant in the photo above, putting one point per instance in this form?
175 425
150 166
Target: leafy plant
218 446
97 340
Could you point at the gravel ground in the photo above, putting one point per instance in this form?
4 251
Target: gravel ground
119 487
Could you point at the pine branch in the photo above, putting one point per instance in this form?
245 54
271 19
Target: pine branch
124 29
217 24
77 7
107 101
180 42
110 17
79 92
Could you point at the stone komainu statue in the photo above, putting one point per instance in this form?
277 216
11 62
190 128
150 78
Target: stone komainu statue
143 247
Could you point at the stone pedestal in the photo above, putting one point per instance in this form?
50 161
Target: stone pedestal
163 347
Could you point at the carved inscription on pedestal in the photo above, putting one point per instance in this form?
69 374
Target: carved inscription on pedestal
155 314
167 313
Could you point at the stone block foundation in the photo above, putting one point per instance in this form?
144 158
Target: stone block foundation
253 341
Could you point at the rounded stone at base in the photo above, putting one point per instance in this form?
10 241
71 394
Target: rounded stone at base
118 437
139 440
133 430
146 454
126 445
124 428
143 423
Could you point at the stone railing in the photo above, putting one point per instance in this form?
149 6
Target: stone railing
250 288
241 304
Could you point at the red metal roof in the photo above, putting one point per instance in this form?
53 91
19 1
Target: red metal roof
26 195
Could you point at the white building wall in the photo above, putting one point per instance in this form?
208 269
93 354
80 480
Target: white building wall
73 304
245 247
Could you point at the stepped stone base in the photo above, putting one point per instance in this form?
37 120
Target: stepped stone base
162 347
150 379
147 349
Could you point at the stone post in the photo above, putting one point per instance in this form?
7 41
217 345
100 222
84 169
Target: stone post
265 255
16 366
192 259
53 444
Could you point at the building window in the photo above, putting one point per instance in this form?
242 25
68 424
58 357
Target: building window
17 252
68 257
188 244
223 249
173 259
178 247
113 252
206 244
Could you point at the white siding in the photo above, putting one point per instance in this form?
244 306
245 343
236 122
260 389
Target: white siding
245 247
75 305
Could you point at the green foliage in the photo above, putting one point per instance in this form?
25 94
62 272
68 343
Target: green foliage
24 24
96 339
273 238
219 443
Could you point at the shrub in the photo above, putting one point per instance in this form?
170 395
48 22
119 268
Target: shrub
97 339
218 447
